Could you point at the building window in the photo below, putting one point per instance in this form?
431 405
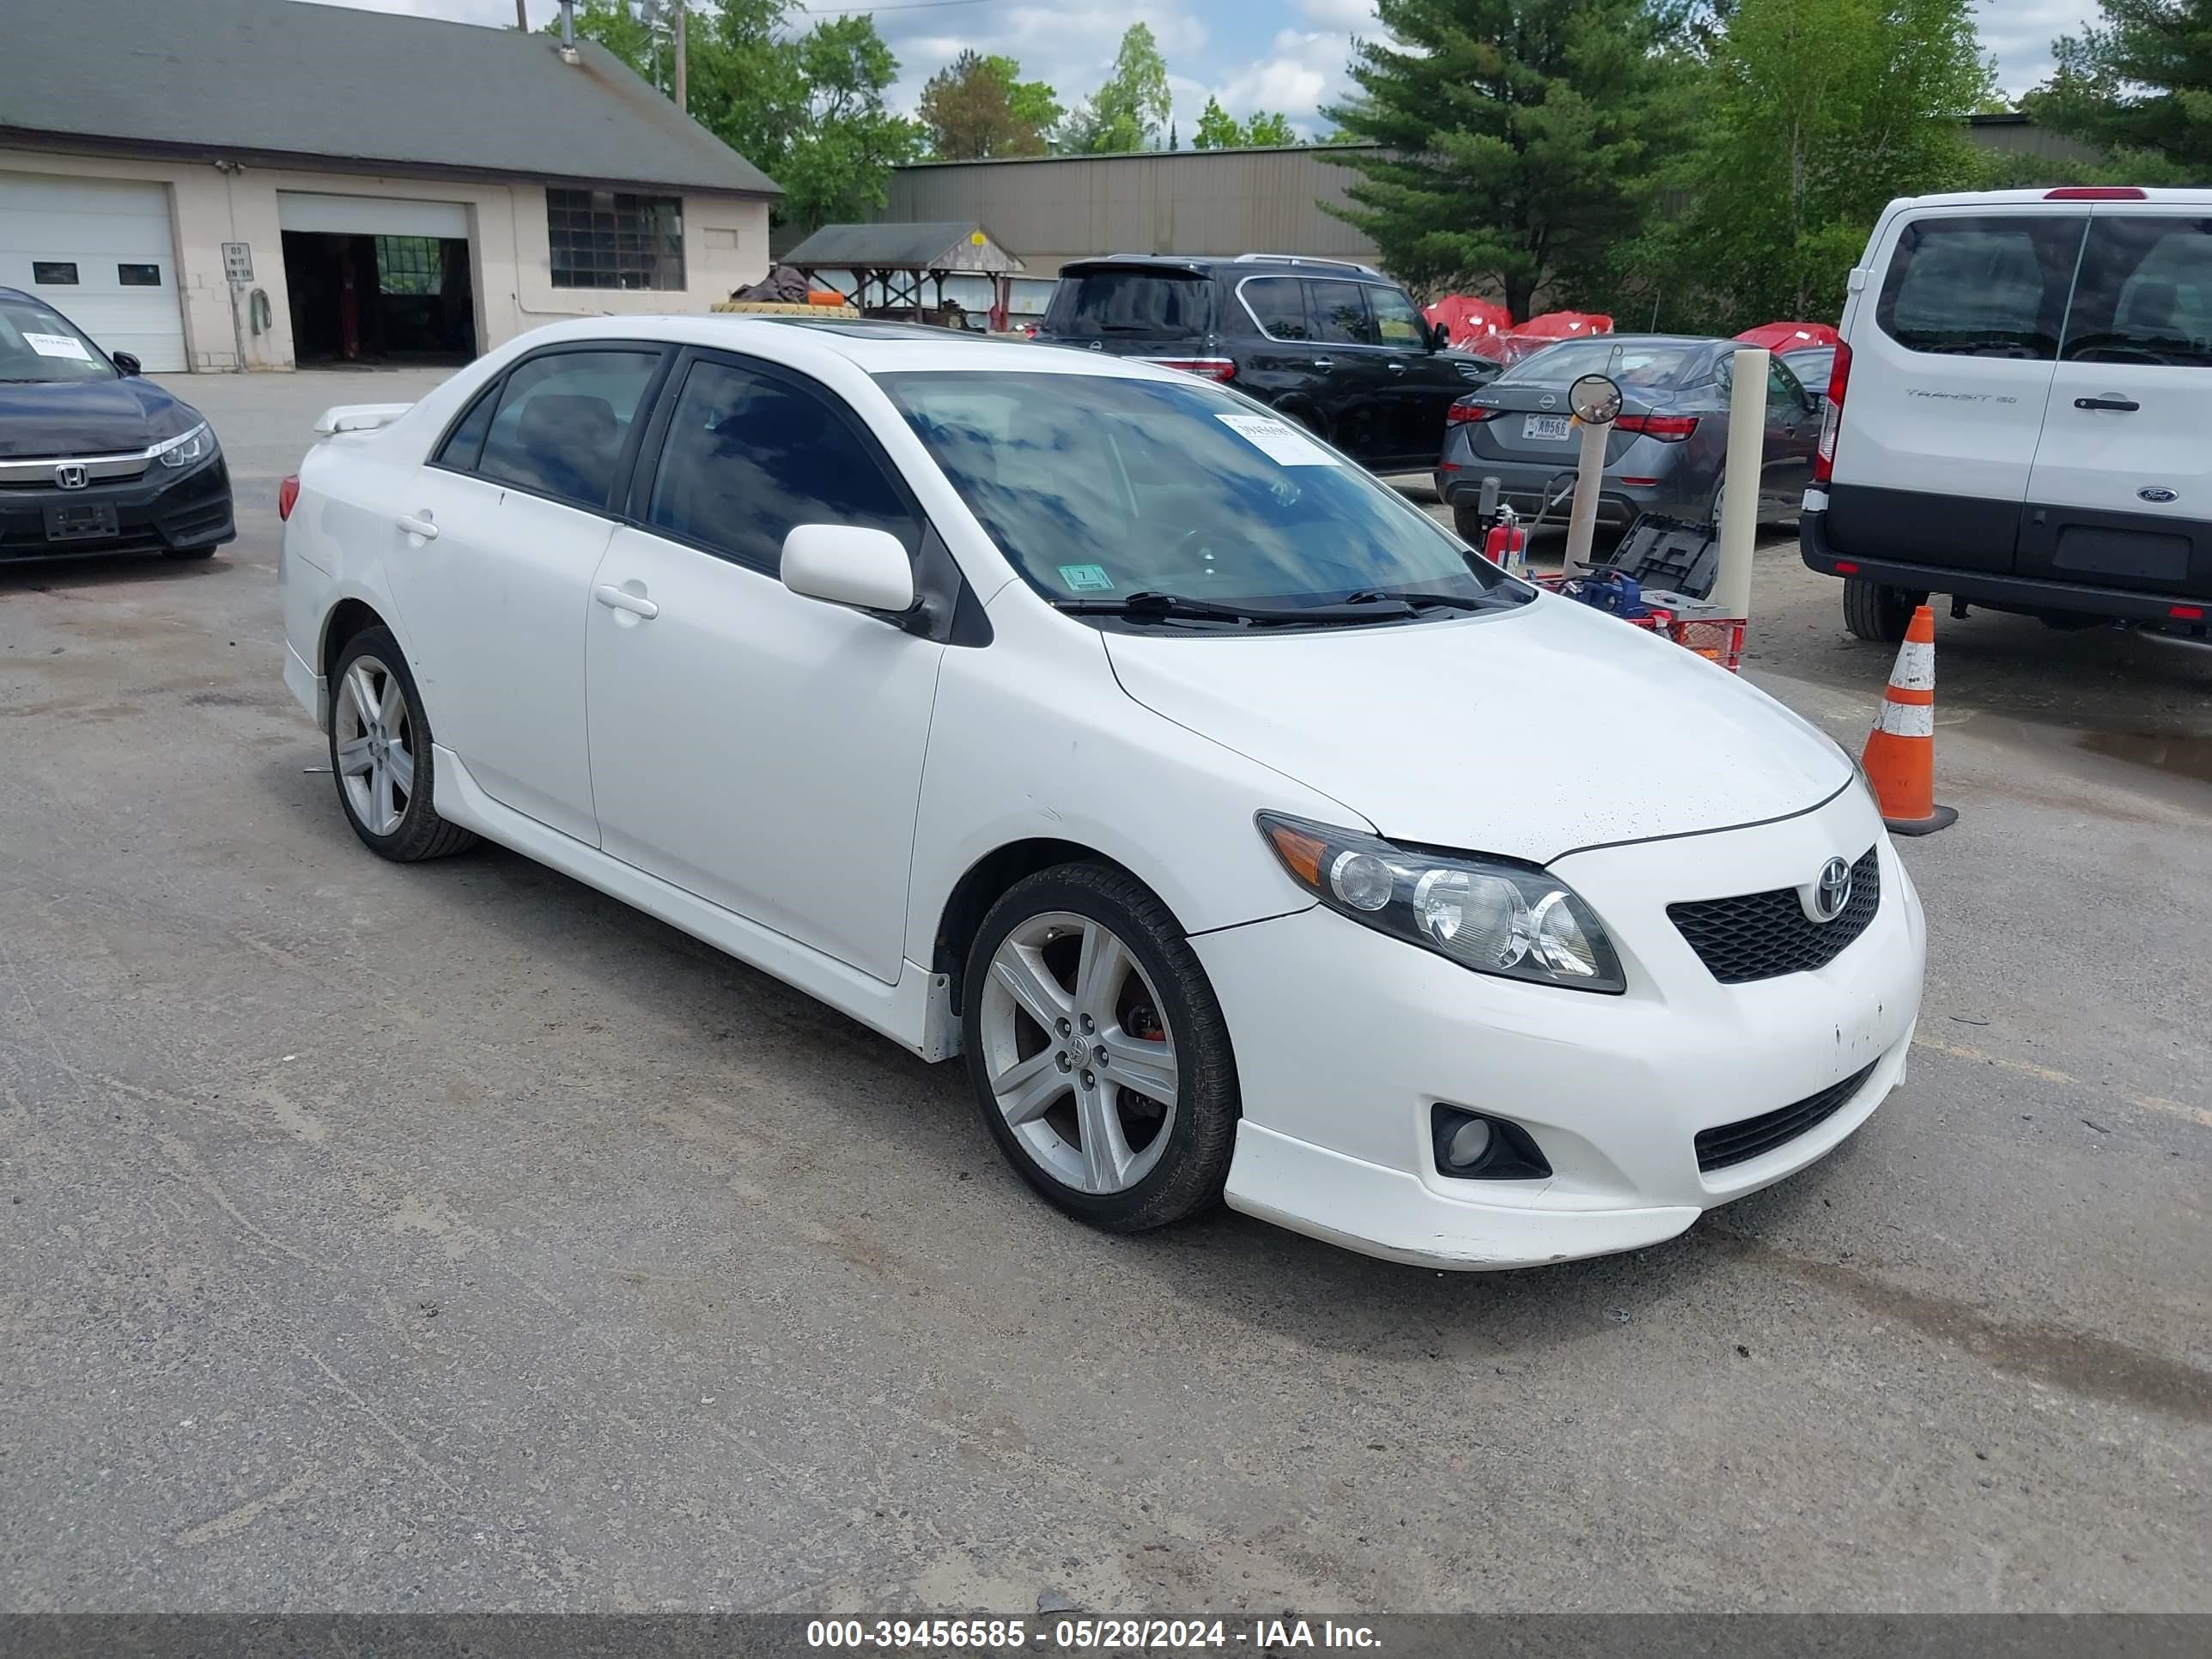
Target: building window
53 273
409 265
138 276
612 239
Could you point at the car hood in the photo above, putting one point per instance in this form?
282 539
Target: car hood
89 417
1526 733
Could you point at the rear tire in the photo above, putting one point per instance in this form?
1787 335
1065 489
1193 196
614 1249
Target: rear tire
381 757
1878 613
1468 521
1080 988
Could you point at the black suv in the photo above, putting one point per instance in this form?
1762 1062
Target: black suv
1337 346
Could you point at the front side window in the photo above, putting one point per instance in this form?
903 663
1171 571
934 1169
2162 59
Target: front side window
562 420
614 238
1340 313
2144 294
1277 304
1993 285
38 343
1396 322
751 456
1097 487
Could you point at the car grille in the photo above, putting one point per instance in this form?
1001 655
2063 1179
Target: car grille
1741 1142
1760 935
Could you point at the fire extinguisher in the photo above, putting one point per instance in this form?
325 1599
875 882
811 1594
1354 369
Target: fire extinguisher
1506 543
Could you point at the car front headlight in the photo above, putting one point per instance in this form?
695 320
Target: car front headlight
187 449
1486 914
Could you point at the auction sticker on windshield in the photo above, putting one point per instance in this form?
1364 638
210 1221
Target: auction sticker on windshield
57 345
1284 445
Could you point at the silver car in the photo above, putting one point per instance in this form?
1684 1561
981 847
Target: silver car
1665 454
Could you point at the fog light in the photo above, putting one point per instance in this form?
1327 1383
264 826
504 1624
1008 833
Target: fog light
1472 1147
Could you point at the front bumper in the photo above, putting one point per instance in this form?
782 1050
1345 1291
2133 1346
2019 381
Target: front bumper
1346 1039
159 511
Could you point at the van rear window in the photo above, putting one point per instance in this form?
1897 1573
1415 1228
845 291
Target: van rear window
1137 302
1989 286
2144 294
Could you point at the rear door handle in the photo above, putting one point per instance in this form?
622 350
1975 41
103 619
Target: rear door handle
1397 368
419 524
616 599
1324 363
2125 405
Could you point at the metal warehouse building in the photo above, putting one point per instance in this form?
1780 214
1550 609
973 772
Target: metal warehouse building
264 184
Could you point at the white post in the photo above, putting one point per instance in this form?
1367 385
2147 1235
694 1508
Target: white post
1747 448
1590 480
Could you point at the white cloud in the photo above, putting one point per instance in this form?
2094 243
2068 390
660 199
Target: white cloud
2019 33
1352 16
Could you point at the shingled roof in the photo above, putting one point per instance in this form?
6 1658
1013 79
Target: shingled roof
329 87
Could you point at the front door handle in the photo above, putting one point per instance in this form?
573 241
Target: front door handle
2125 405
616 598
419 524
1324 363
1397 368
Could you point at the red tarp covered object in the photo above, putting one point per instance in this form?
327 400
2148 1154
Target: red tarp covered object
1540 331
1473 321
1789 337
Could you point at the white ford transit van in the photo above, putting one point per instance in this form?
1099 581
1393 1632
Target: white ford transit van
2020 414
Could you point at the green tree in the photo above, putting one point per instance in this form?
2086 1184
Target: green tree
1266 128
839 161
978 106
1127 111
1822 111
1523 138
1217 128
613 25
2139 85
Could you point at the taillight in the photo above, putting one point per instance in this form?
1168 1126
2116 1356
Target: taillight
1832 416
288 495
1667 429
1460 413
2094 193
1206 368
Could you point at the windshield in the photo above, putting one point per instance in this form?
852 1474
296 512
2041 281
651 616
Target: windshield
1097 487
38 343
1652 365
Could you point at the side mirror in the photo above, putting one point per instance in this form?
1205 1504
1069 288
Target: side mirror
1440 336
126 364
846 564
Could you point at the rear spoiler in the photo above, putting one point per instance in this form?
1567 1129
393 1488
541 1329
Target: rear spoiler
358 417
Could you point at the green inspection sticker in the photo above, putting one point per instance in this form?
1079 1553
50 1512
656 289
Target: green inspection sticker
1086 578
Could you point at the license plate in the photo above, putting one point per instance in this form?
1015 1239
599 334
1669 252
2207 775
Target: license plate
1552 428
76 522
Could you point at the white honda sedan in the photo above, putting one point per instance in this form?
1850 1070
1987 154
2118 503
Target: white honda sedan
1248 835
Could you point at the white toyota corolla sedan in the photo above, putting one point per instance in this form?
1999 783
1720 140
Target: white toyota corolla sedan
1248 835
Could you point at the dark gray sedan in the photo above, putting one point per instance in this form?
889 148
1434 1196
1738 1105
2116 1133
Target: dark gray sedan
1665 454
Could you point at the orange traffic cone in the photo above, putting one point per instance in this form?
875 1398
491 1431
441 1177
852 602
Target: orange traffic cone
1900 751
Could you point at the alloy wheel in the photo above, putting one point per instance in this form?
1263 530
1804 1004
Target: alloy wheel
1078 1054
375 752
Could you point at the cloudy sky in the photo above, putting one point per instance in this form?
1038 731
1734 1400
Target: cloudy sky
1283 55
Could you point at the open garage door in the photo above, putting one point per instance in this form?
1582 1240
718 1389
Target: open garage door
376 279
102 253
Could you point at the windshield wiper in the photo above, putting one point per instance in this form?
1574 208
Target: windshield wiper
1150 605
1417 601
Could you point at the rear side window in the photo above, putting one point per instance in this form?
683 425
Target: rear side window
751 456
1989 286
464 443
562 420
1340 313
1277 304
1142 302
2144 294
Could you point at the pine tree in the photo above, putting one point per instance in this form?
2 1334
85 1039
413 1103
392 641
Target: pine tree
2140 82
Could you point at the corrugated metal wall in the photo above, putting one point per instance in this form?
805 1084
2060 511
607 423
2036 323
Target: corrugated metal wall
1060 208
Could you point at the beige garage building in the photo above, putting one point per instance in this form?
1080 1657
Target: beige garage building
270 183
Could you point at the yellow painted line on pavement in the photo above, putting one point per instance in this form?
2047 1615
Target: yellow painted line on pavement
2159 1103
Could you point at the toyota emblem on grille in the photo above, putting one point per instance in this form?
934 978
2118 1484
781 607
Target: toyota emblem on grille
1832 891
69 476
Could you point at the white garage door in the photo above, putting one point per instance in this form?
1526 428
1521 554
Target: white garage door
102 254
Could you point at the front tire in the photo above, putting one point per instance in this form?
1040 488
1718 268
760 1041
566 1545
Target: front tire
381 754
1472 528
1878 613
1098 1053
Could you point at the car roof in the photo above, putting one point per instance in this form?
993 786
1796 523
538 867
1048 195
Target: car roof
2055 198
873 348
1235 265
